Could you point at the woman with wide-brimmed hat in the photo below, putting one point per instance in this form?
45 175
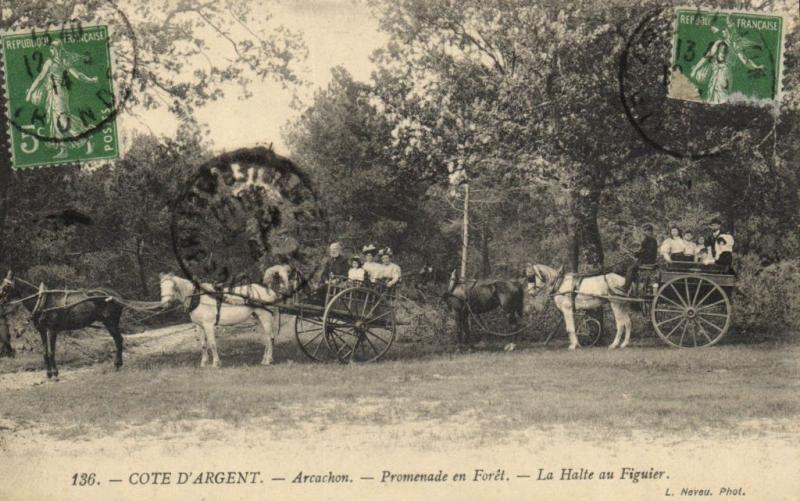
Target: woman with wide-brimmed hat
389 272
371 265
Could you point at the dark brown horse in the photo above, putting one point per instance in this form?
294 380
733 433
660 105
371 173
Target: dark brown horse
55 311
482 296
6 350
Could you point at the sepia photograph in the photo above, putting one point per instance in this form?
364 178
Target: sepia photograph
399 249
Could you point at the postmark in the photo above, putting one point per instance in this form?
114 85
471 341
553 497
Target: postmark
245 211
681 128
727 56
64 85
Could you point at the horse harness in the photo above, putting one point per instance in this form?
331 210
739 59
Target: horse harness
194 302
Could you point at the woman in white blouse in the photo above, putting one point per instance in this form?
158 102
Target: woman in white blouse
389 272
690 248
356 272
371 267
672 248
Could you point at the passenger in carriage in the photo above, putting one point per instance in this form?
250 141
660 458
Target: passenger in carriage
371 266
704 258
690 248
720 243
389 273
672 249
646 255
356 273
724 249
335 266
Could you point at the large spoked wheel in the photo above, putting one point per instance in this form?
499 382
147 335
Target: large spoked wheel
359 325
690 312
311 337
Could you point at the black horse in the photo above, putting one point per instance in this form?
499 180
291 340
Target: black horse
6 350
56 311
482 296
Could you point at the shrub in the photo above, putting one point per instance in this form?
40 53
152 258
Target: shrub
767 300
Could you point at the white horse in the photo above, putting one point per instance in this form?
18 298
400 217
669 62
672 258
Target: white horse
206 311
592 292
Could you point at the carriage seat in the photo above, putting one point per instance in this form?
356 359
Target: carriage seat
692 267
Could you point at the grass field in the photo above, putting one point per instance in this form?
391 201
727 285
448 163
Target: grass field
645 387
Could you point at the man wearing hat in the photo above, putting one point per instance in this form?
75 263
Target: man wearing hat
646 255
336 265
371 265
719 243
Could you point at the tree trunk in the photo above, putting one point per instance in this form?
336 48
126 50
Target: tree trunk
140 264
465 234
586 246
486 266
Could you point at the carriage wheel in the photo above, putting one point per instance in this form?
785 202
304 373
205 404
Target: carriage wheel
359 325
310 337
689 312
588 331
496 323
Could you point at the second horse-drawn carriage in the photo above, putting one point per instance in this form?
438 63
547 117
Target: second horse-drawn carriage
688 304
346 320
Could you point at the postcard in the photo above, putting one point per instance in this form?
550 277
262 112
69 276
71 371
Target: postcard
412 249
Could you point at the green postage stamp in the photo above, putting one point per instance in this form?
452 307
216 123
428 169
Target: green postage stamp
59 97
727 56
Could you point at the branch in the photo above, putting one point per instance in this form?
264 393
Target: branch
222 33
477 44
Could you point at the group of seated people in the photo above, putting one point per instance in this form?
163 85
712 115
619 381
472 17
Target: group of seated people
716 248
376 266
680 246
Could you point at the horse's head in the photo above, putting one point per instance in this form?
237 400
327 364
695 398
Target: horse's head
537 280
169 289
280 278
7 286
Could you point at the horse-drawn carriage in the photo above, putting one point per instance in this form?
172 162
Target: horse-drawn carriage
346 320
689 304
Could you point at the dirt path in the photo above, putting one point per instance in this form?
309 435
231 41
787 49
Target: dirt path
145 343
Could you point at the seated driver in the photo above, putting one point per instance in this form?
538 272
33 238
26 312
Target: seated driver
336 265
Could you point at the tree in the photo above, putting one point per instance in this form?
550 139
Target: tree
187 50
535 89
344 141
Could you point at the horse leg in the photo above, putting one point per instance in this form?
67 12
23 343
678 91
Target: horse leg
265 318
569 322
212 343
620 324
201 339
466 332
461 327
628 327
45 351
51 340
113 328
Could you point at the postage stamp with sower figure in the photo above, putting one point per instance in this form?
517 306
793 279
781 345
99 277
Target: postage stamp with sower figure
724 56
59 96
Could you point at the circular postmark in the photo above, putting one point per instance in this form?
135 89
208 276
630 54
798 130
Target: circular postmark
243 212
68 78
653 70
